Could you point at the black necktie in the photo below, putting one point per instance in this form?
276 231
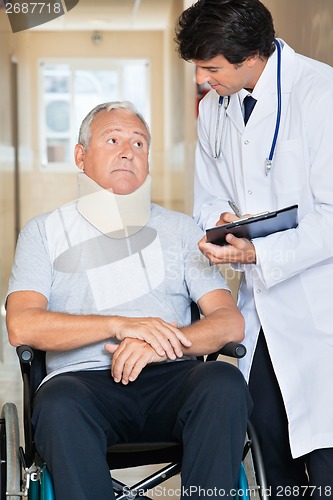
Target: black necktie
249 103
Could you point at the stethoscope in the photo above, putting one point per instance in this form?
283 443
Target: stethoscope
224 103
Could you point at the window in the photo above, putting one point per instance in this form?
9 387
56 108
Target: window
70 89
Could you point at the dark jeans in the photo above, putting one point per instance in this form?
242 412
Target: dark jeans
310 476
78 415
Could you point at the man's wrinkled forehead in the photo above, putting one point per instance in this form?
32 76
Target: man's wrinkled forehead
120 120
119 130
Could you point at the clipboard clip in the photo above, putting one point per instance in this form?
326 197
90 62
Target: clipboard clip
252 216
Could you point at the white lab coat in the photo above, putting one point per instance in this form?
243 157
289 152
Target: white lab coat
289 290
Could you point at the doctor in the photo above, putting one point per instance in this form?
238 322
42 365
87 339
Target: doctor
282 156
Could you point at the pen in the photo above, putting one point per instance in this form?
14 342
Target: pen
234 208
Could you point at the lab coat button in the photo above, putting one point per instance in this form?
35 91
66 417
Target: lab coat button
246 142
250 191
258 291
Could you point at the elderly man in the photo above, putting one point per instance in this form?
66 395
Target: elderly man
104 286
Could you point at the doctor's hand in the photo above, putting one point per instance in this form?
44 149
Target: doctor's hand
226 217
238 251
165 338
129 358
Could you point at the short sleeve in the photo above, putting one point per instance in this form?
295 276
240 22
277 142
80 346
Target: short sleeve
32 268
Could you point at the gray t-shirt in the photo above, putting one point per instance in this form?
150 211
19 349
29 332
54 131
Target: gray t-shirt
155 272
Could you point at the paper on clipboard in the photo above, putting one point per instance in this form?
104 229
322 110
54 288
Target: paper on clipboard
255 227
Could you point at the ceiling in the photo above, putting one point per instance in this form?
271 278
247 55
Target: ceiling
101 15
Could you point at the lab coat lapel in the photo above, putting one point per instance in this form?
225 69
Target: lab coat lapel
266 89
264 108
234 112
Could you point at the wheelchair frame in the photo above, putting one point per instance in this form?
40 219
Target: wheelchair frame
36 483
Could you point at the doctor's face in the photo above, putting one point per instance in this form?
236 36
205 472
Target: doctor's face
227 78
117 154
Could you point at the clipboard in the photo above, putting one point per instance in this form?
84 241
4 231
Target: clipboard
256 226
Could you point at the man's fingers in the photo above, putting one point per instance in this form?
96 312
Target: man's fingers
165 339
172 340
122 370
136 369
181 336
129 360
111 348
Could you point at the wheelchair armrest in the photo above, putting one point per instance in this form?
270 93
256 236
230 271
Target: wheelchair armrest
32 364
232 349
25 353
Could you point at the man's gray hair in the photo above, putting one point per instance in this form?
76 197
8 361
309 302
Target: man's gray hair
84 133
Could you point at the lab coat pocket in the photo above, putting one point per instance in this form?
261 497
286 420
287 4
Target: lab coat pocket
288 166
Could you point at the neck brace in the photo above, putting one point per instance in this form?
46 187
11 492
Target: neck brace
115 215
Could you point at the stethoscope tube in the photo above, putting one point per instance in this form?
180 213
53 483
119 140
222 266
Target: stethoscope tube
269 160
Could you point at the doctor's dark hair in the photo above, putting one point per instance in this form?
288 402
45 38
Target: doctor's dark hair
84 133
234 29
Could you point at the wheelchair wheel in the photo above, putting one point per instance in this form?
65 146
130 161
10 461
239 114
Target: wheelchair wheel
47 492
10 475
255 469
243 492
40 483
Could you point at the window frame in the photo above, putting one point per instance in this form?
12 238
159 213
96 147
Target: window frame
86 64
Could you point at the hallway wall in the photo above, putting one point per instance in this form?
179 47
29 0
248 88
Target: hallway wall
307 25
7 219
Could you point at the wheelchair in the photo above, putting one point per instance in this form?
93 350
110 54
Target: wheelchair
23 474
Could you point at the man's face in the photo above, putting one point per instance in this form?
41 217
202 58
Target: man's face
227 78
117 155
